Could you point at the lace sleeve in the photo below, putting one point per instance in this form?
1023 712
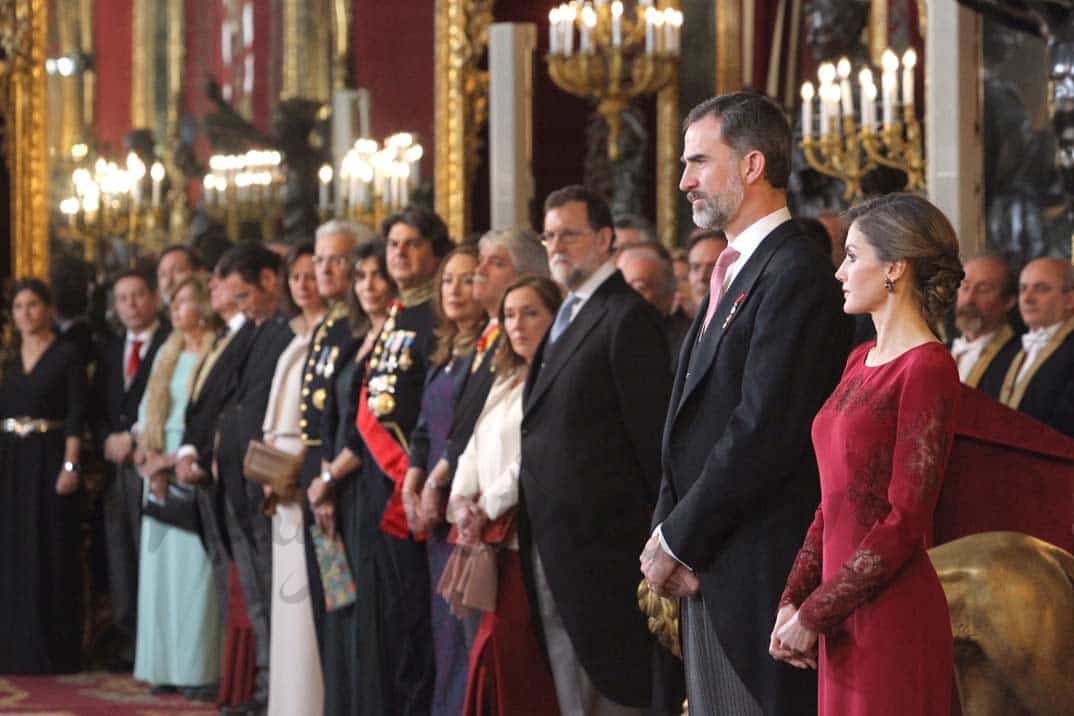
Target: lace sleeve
806 570
923 438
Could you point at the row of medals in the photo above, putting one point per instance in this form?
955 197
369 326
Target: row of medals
391 352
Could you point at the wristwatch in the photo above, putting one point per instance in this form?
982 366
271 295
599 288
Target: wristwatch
326 477
74 467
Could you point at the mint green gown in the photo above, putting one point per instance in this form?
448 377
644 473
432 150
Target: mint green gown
179 612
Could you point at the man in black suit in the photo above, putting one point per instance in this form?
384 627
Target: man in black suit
740 479
647 268
251 273
1037 369
215 381
591 465
123 369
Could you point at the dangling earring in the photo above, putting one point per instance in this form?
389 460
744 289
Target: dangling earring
889 284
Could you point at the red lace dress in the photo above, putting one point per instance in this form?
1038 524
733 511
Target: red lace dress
862 580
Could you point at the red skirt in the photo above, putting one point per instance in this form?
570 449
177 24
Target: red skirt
509 674
239 660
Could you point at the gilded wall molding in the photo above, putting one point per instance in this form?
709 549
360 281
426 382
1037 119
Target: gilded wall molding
728 46
309 34
667 163
141 74
461 105
23 102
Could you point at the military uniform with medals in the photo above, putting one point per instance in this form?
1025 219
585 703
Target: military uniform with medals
393 565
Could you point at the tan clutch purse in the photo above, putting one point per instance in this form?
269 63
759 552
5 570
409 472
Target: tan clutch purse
270 466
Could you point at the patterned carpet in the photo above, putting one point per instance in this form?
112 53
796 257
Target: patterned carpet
90 694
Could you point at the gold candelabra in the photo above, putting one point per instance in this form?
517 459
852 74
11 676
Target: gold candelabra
618 58
113 201
848 148
372 182
241 188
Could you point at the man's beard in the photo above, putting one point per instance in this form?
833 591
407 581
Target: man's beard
718 210
969 320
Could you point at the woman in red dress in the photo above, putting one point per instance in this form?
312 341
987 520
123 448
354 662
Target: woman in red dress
862 581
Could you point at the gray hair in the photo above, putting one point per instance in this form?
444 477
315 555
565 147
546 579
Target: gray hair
654 252
523 246
634 221
341 227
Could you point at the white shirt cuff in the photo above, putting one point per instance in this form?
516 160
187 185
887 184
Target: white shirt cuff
186 451
664 546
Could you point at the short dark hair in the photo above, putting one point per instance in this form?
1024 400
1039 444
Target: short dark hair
35 286
296 252
427 223
704 235
192 256
597 210
634 221
750 121
375 249
248 259
138 273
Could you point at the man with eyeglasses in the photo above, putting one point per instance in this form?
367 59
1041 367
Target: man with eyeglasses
393 671
592 415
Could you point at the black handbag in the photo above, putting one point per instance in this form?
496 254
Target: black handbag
180 509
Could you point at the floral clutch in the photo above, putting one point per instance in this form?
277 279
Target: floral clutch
339 588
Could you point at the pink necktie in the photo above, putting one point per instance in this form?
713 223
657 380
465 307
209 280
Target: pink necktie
719 275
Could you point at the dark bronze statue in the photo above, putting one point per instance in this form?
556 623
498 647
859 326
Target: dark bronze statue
297 133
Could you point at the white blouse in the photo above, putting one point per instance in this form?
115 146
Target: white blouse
489 465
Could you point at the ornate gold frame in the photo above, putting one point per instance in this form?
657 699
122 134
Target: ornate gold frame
23 102
461 105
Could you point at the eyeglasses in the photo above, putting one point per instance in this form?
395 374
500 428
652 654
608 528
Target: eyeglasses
567 236
338 261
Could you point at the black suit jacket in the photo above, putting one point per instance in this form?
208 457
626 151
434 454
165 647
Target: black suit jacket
590 471
469 403
217 390
1050 395
116 407
740 478
242 418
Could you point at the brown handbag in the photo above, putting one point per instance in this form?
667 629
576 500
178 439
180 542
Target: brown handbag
273 467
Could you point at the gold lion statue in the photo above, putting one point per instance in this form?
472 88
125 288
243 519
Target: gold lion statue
1011 599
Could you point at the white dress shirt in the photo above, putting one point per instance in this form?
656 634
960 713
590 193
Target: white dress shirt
1033 342
967 353
591 284
146 337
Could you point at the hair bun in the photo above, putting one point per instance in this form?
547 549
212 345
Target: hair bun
941 288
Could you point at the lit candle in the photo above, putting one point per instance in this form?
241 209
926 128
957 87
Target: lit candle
589 22
826 74
208 184
569 14
658 31
887 85
553 31
807 110
676 24
868 106
617 23
325 175
650 30
669 30
909 61
868 98
157 174
843 68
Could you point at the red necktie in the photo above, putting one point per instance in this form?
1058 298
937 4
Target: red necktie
135 359
719 275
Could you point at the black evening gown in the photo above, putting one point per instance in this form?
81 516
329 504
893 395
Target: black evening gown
40 569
